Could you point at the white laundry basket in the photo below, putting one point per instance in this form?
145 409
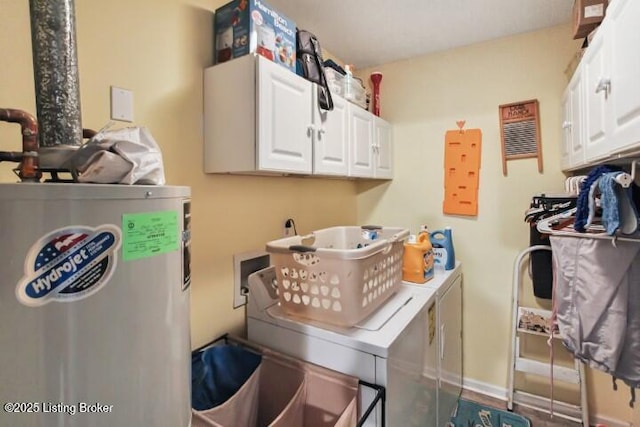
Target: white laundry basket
338 275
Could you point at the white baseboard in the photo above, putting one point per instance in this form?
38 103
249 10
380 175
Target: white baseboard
484 388
609 422
501 393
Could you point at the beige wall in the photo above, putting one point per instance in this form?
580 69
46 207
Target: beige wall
158 49
423 98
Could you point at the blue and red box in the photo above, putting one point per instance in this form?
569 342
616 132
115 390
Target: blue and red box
253 26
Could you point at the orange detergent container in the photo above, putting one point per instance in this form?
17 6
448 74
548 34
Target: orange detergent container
417 260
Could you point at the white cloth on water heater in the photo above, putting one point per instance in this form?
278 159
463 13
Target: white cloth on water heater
122 156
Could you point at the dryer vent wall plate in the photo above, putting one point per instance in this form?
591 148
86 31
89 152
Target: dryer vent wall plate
244 264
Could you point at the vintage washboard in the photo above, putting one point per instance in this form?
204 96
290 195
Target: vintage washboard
520 132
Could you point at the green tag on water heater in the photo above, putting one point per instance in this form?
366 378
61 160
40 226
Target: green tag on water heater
149 234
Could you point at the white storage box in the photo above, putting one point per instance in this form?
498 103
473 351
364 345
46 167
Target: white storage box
338 275
357 95
335 81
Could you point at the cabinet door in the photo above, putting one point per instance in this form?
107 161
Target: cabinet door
596 97
383 149
623 39
576 88
450 340
284 125
361 142
565 149
331 144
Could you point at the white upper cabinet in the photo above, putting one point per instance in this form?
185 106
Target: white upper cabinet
331 145
257 118
565 148
285 123
260 118
594 65
576 118
623 40
608 98
383 149
371 153
362 147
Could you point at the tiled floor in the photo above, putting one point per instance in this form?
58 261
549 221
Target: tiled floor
537 418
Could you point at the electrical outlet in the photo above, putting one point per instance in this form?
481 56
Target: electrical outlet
121 104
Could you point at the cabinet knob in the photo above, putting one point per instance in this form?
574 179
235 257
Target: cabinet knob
566 125
604 85
310 130
320 133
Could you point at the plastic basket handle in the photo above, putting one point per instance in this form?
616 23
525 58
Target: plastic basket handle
384 246
302 248
371 227
393 239
388 245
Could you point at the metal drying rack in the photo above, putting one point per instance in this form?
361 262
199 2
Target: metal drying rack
559 225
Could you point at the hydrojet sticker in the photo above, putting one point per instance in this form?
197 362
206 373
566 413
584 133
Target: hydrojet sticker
69 264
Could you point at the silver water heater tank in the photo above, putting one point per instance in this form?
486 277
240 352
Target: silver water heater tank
94 305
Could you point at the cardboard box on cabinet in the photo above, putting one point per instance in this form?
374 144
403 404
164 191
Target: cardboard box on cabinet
587 15
253 26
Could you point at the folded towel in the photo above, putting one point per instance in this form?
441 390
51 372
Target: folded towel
609 202
618 208
582 207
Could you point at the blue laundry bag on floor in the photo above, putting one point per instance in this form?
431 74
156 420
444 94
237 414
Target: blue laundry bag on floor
218 372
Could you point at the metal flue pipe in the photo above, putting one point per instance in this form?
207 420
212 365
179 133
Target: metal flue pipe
55 66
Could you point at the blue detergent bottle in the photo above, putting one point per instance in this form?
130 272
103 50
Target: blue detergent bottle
442 242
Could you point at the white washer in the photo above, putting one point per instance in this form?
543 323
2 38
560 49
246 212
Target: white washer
396 347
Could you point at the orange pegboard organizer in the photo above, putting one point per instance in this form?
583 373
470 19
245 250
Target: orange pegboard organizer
462 171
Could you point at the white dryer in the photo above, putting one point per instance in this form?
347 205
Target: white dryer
396 347
448 318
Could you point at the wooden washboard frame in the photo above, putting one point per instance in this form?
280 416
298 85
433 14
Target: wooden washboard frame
520 132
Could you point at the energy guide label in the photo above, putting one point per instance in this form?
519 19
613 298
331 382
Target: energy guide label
149 234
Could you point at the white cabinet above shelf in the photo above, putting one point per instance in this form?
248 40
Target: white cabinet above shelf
602 103
245 132
260 118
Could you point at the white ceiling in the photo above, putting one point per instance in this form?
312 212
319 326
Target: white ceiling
372 32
